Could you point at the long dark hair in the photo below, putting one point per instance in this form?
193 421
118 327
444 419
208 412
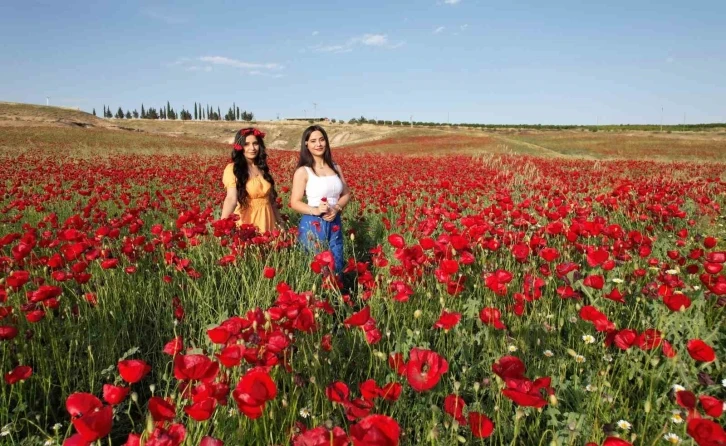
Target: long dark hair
306 158
241 172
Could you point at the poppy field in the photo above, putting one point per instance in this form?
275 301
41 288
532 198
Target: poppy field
498 300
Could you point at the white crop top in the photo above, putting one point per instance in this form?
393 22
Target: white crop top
329 186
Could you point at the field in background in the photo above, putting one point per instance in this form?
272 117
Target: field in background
40 126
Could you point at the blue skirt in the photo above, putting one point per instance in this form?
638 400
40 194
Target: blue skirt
316 235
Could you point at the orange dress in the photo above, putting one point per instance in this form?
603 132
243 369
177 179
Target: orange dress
258 211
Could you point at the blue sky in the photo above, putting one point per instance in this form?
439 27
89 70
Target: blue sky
556 62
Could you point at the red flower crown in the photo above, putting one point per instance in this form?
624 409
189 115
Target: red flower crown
245 133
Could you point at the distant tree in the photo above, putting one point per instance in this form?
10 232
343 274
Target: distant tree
237 108
185 115
143 113
128 114
168 109
104 111
219 113
379 122
94 112
396 122
119 114
108 113
151 113
195 111
136 114
353 121
332 121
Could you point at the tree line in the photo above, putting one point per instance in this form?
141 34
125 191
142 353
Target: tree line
201 113
591 128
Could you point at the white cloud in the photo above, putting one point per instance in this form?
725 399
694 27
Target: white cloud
206 68
670 60
374 39
377 40
463 27
315 33
451 2
439 29
221 60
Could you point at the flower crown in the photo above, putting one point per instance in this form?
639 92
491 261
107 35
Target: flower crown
247 132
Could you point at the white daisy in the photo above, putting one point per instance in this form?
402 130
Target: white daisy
677 417
590 388
616 280
512 348
608 358
548 353
624 425
672 438
304 412
588 339
579 359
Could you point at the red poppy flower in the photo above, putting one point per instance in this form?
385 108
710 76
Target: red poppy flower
492 316
424 369
254 389
268 272
677 301
358 319
391 391
320 436
369 389
161 409
700 351
210 441
509 367
201 410
379 430
454 405
7 332
595 281
706 432
337 392
712 406
114 395
625 338
447 320
396 241
174 346
90 417
481 426
133 370
686 399
19 373
615 441
195 368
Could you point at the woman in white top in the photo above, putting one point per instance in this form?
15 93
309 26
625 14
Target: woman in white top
322 182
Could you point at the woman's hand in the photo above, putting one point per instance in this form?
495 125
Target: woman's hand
331 214
323 208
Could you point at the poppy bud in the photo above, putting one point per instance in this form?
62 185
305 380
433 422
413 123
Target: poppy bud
553 400
417 314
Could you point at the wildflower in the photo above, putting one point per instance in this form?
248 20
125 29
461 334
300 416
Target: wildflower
723 382
672 438
49 442
616 280
57 426
624 425
579 359
304 412
588 339
548 353
590 388
677 417
672 272
608 358
5 431
512 348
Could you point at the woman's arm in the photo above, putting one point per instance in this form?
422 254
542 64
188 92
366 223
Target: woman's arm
230 202
299 180
342 200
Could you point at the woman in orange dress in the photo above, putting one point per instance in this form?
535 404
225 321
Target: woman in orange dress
250 187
